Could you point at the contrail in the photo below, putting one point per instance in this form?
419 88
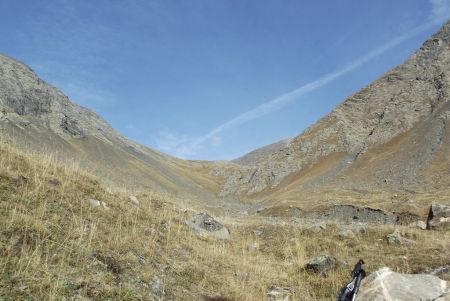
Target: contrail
284 99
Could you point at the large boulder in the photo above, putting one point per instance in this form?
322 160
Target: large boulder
439 216
386 285
205 225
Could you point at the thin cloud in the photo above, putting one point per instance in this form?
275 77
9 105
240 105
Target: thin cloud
285 99
178 145
183 146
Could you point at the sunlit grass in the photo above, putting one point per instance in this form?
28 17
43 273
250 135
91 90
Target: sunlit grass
55 246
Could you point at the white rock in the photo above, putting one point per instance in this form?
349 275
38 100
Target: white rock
96 203
385 285
397 238
134 200
278 294
419 224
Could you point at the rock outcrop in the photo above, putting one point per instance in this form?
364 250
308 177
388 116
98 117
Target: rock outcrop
351 213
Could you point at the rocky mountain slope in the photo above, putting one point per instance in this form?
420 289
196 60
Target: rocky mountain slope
391 135
36 115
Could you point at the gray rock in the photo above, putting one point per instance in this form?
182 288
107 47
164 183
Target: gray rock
276 293
419 224
322 264
205 225
157 288
438 216
385 285
96 203
241 275
439 271
257 232
354 214
133 200
396 237
346 233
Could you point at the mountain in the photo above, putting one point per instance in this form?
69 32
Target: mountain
39 117
392 135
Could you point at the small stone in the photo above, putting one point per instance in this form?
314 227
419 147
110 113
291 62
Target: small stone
133 200
419 225
397 238
257 232
157 287
96 203
276 293
240 275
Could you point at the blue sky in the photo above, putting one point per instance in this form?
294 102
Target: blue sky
214 79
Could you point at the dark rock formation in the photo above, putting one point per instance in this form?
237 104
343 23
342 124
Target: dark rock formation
438 216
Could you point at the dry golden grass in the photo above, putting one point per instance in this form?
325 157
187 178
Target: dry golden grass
54 246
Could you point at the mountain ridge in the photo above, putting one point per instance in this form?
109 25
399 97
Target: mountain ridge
377 114
37 115
377 139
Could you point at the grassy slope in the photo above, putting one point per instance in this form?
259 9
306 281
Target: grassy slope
54 246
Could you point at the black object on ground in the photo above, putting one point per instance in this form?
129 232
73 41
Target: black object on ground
349 292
